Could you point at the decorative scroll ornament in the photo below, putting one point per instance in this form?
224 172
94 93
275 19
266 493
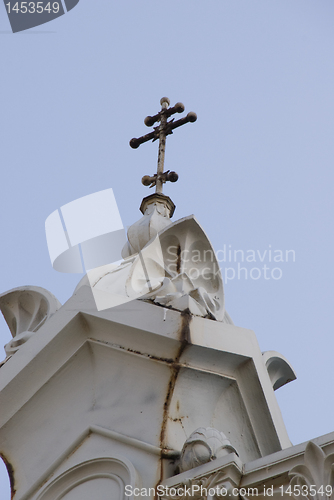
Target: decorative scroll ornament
317 471
203 446
25 310
177 269
183 271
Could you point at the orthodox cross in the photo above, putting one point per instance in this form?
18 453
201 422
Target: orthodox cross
160 132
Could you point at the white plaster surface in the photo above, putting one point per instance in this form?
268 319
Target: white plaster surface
97 399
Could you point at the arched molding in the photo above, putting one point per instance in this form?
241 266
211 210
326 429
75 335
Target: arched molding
117 469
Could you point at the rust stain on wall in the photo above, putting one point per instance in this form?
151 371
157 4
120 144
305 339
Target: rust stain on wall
178 262
184 337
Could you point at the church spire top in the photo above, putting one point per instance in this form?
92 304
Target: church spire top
160 132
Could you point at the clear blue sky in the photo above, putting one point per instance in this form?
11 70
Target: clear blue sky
256 168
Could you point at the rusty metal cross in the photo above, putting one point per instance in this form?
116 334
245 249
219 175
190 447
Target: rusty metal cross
160 132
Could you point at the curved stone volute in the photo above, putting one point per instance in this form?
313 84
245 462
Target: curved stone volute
183 270
25 310
177 269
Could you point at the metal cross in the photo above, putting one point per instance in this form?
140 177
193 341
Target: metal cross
160 132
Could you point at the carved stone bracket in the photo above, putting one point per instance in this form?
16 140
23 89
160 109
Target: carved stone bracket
211 481
315 475
209 487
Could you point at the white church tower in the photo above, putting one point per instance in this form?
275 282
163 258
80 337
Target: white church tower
159 396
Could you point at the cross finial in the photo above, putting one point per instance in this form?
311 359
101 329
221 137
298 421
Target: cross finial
160 132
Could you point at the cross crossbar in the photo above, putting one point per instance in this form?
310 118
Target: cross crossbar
160 132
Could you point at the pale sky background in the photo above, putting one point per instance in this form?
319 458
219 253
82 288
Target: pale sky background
256 168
